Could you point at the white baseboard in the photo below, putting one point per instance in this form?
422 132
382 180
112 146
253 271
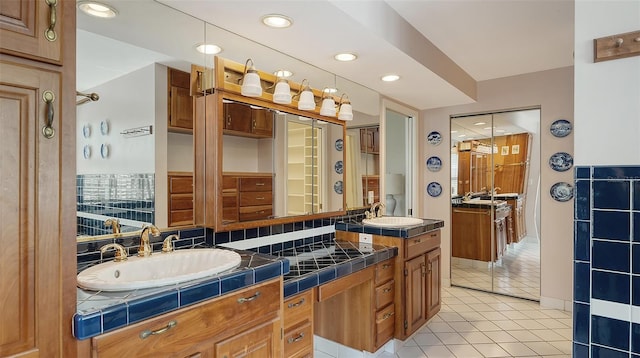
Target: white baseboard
556 303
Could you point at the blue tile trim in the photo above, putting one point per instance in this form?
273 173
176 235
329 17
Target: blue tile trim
611 255
610 332
152 306
408 232
581 313
613 225
610 286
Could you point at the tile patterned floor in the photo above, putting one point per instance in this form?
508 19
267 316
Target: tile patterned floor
478 324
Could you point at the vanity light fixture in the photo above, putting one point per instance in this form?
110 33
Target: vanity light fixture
250 81
306 101
390 78
277 21
208 49
345 57
346 111
282 92
328 107
97 9
283 73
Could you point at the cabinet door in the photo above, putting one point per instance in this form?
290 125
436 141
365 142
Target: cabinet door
30 172
237 117
262 122
31 29
257 342
181 114
415 293
433 282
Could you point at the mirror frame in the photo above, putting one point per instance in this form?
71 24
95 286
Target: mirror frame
208 132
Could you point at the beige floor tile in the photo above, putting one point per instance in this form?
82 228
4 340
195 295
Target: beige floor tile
462 326
517 349
410 352
438 352
491 350
436 327
450 317
464 351
543 348
530 323
548 335
427 339
525 335
484 326
565 347
476 337
500 336
494 316
450 338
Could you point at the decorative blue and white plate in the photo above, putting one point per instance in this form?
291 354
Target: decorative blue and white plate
337 187
86 152
561 191
104 127
86 130
560 128
561 161
434 164
338 145
434 138
434 189
338 167
104 151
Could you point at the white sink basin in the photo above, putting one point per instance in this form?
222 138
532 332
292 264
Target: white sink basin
160 269
483 201
505 194
392 221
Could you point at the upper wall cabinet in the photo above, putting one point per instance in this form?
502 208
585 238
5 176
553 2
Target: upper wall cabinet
180 102
259 163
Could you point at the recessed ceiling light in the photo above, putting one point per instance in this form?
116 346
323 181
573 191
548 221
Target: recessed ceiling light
345 57
97 9
283 73
208 49
390 78
454 131
500 130
277 21
487 128
479 123
462 135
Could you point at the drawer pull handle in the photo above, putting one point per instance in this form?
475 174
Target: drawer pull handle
387 315
385 266
248 299
47 131
299 303
146 333
417 241
259 184
387 290
296 339
260 198
50 32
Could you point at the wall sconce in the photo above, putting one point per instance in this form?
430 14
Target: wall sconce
306 101
328 107
251 81
346 111
282 92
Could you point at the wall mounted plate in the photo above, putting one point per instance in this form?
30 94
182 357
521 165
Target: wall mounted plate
561 191
434 138
434 164
86 152
434 189
86 130
104 151
560 128
338 145
339 167
104 127
337 187
561 161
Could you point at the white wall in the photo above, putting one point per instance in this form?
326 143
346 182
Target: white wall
607 94
553 91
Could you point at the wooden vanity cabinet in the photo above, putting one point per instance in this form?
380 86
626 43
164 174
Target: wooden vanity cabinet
416 275
298 325
180 198
242 324
242 120
180 101
246 196
518 225
471 237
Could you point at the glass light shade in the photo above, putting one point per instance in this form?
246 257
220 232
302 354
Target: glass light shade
251 84
306 101
328 107
346 112
282 93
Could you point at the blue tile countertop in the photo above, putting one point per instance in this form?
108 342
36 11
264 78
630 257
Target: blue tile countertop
402 232
100 312
318 263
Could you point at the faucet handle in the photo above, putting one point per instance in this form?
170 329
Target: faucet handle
121 253
167 244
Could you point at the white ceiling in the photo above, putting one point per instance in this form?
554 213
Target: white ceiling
439 48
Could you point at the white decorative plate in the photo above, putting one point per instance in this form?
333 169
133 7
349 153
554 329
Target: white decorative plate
86 152
561 191
104 151
86 130
338 145
434 164
104 127
561 161
434 138
560 128
338 167
337 187
434 189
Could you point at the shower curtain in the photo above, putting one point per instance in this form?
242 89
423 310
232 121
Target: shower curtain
353 179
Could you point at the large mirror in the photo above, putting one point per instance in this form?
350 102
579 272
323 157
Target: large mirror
126 173
495 171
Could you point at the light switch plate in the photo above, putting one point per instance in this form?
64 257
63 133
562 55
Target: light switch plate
365 238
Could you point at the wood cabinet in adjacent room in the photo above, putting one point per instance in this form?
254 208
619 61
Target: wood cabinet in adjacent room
180 102
180 198
247 196
242 120
472 238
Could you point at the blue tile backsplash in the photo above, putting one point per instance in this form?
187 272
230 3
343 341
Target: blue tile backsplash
606 310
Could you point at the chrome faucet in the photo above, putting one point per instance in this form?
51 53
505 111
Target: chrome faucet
145 249
114 223
495 190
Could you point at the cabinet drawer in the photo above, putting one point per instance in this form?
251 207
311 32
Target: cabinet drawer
229 182
181 217
384 271
298 338
181 185
181 202
256 184
298 308
252 198
385 294
385 323
255 212
192 324
421 244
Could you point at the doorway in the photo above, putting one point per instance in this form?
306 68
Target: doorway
495 202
